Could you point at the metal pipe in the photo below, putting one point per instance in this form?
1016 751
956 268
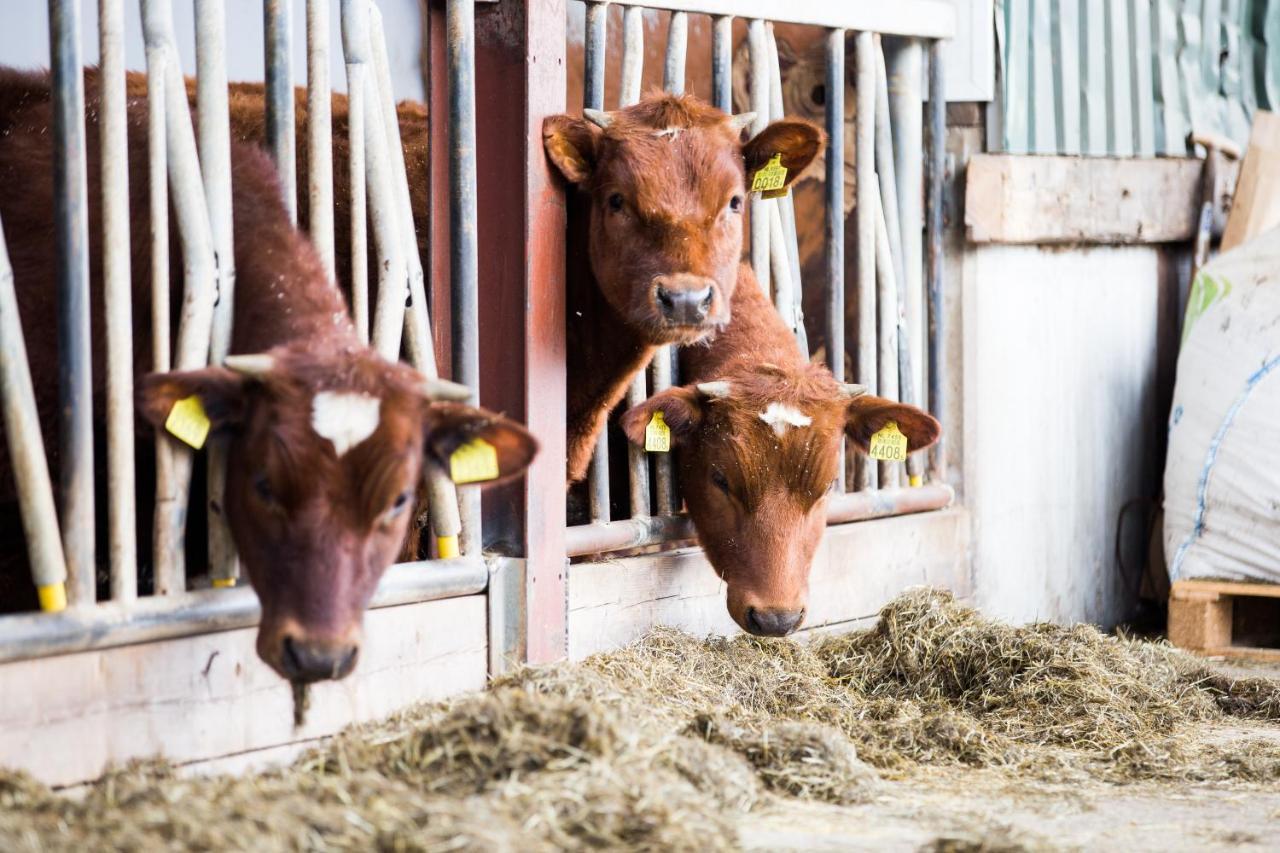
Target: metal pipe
71 239
937 311
213 119
759 51
887 333
117 297
632 56
882 503
673 70
26 450
354 38
866 192
785 204
905 66
151 619
785 296
464 248
161 336
593 99
885 166
721 62
927 18
835 217
277 25
319 134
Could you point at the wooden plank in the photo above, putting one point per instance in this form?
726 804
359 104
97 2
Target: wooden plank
1241 653
1256 207
1191 588
1199 621
1012 199
857 569
67 718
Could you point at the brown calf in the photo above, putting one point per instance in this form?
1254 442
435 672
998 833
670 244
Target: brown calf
326 439
758 432
655 237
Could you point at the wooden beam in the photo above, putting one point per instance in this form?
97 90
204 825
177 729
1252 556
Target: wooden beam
1103 200
1256 207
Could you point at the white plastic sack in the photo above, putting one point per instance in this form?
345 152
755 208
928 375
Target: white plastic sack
1222 475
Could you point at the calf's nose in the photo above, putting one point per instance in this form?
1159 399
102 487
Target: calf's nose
773 623
316 660
685 300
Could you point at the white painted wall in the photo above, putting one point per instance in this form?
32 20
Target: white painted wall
24 39
1060 356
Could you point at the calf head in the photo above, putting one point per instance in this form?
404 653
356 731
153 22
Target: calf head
324 456
758 453
666 180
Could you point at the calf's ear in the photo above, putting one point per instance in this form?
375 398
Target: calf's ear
681 411
794 140
571 144
221 393
450 426
867 415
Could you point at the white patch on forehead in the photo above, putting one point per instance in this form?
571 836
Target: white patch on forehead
346 418
672 132
780 416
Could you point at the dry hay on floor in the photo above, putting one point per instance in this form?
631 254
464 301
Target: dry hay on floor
664 744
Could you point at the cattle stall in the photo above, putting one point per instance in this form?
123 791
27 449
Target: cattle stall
146 649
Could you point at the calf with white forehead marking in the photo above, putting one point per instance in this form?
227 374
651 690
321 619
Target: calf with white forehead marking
758 433
345 418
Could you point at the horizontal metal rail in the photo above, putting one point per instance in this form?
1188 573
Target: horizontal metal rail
924 18
185 614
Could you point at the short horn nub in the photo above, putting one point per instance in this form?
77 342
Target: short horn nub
849 389
253 364
443 389
741 120
714 390
598 117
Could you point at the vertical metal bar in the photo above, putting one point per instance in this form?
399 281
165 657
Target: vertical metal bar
593 99
26 450
628 94
677 49
71 235
759 51
721 62
161 334
319 133
937 158
215 164
835 85
277 25
464 249
866 190
784 248
354 38
117 293
887 333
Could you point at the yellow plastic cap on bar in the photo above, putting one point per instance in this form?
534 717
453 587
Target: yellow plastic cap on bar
53 597
447 546
916 481
224 583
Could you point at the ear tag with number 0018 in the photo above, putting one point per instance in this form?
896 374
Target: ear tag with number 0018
771 178
188 422
657 435
474 462
889 444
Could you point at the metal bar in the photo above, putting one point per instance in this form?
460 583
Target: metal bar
276 36
464 248
215 162
26 450
866 191
835 85
887 333
507 635
673 70
593 98
117 295
721 62
785 204
906 109
937 160
926 18
319 133
886 167
355 36
71 236
841 509
151 619
161 333
758 44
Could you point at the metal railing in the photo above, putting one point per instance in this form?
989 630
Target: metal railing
189 172
898 350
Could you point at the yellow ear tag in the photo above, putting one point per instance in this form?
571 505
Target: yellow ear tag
657 435
474 462
188 422
771 178
889 444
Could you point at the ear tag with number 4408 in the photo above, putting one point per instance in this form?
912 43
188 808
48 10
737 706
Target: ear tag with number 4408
771 178
657 435
474 462
889 444
188 422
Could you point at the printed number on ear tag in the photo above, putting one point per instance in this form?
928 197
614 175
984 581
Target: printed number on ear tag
474 462
188 422
657 435
889 444
771 178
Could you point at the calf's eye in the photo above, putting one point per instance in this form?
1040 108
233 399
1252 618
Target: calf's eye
735 204
262 486
720 480
615 202
398 505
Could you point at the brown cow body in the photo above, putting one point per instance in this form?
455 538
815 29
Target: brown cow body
326 439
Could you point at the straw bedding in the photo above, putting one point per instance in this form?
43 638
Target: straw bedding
664 744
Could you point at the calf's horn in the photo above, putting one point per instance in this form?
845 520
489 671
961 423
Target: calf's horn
850 389
715 390
741 120
252 365
598 117
443 389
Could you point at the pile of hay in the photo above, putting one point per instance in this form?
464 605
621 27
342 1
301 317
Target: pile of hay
662 745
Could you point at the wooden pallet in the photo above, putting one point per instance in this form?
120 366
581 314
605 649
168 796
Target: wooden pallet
1237 620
